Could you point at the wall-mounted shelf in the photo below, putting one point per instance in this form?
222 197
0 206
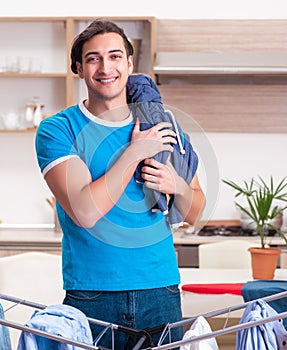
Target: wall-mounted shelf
32 75
10 131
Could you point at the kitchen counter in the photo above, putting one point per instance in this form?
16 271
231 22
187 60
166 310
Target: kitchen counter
193 239
15 240
186 244
40 236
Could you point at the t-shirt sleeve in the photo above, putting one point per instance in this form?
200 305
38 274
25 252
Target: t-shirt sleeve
54 143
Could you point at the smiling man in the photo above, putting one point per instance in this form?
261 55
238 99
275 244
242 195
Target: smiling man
119 263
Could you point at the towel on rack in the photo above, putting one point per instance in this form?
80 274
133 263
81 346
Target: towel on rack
268 336
5 342
63 320
258 289
199 326
146 104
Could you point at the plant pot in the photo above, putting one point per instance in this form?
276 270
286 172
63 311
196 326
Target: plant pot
264 262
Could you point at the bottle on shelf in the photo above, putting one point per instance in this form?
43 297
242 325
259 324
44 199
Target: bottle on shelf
29 114
34 112
38 116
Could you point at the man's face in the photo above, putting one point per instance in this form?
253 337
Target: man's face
105 67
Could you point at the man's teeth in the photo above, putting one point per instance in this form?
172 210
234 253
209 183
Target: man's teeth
107 80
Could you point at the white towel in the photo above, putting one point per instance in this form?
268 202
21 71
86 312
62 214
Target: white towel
200 326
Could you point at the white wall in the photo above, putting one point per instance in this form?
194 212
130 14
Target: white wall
239 156
242 156
160 9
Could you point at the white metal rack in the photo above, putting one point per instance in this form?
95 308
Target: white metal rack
143 335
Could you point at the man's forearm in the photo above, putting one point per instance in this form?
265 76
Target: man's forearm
191 203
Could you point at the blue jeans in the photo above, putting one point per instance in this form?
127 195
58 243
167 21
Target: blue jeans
140 310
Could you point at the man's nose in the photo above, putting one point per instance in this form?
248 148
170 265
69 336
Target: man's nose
104 65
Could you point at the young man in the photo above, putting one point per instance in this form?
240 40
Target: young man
119 263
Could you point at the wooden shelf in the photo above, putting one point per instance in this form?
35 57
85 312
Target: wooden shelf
9 131
32 75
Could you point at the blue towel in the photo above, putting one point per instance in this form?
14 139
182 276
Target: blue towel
146 104
141 88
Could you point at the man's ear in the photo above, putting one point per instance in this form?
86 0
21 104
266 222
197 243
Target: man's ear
130 64
79 70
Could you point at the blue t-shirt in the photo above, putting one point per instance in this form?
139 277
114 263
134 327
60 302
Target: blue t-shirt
131 247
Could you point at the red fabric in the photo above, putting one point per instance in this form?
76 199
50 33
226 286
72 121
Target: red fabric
214 288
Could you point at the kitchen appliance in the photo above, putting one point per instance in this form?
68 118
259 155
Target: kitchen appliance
187 250
229 230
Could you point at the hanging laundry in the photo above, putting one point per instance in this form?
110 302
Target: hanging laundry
258 289
200 326
5 342
269 336
63 320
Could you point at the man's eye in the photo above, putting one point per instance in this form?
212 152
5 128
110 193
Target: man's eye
91 59
116 57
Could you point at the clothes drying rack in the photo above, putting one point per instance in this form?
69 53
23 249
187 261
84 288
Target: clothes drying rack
144 335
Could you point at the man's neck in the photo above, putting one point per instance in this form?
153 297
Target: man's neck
107 110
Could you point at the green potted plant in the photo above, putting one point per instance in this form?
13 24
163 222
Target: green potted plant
262 207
